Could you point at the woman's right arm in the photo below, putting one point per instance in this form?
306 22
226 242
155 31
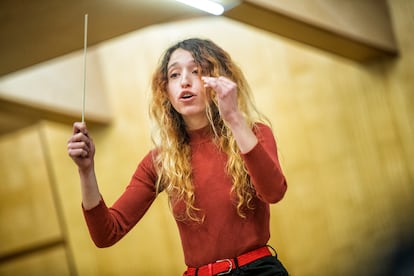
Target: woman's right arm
108 225
82 151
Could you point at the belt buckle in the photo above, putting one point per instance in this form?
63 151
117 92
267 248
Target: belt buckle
230 266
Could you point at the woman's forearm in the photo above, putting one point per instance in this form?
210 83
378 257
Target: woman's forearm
89 189
242 132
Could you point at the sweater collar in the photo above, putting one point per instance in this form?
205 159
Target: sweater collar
200 135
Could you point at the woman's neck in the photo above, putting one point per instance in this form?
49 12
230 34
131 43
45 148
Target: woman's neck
193 123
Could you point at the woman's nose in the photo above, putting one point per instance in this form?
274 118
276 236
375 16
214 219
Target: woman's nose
185 80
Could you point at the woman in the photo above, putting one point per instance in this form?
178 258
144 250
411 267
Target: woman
213 156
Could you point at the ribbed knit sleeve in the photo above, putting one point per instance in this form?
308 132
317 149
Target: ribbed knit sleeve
108 225
264 168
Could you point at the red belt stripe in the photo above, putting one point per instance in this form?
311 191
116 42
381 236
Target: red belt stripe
223 267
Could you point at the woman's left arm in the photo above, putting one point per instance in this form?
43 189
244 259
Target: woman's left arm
226 91
260 155
263 165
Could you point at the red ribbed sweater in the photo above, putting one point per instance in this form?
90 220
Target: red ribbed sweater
223 233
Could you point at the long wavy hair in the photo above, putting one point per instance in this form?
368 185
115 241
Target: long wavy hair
170 137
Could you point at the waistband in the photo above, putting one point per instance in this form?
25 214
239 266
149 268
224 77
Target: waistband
225 266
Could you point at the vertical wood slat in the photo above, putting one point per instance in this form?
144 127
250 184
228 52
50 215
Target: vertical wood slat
28 207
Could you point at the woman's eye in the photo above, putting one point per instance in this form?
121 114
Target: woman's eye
195 71
173 75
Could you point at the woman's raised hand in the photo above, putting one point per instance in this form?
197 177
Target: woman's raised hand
226 91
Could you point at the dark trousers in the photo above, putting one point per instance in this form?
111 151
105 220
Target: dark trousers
266 266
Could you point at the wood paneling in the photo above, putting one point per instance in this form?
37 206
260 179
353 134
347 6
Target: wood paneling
54 91
50 262
26 202
32 241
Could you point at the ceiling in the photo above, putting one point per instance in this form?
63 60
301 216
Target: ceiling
32 32
35 31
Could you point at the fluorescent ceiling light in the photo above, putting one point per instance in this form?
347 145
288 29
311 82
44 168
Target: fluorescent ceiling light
205 5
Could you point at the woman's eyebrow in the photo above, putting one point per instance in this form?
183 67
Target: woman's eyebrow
191 63
172 65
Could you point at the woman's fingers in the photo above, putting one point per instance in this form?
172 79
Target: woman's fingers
79 137
79 144
226 91
221 85
80 127
78 153
78 149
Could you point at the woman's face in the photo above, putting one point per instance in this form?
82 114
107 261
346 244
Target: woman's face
186 90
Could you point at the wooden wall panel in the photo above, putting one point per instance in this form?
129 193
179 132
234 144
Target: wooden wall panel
26 201
50 262
31 238
41 93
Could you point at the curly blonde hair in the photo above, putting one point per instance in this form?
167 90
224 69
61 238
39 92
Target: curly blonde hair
170 137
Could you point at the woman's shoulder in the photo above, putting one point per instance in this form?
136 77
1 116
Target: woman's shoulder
147 161
146 166
260 127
